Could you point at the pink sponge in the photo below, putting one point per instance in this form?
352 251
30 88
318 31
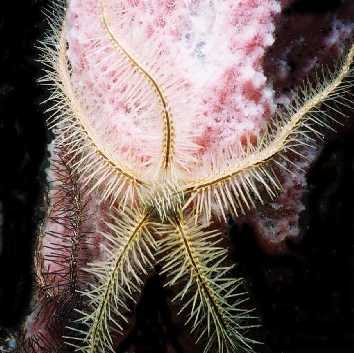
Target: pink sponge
206 58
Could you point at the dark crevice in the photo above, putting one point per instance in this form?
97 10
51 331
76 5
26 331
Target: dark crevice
154 330
313 6
23 148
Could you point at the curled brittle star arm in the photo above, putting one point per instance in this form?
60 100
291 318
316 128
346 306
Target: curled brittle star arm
96 165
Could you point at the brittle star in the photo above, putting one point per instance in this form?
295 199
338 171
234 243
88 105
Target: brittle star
157 209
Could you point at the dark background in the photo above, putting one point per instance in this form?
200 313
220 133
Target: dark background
305 297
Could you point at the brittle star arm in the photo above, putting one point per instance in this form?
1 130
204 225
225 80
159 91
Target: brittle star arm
236 188
193 264
129 256
63 240
168 128
96 166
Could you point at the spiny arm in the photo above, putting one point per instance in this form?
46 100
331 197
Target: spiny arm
96 166
168 143
237 187
130 250
192 261
65 239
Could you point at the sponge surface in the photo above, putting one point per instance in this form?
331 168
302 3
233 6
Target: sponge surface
205 56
